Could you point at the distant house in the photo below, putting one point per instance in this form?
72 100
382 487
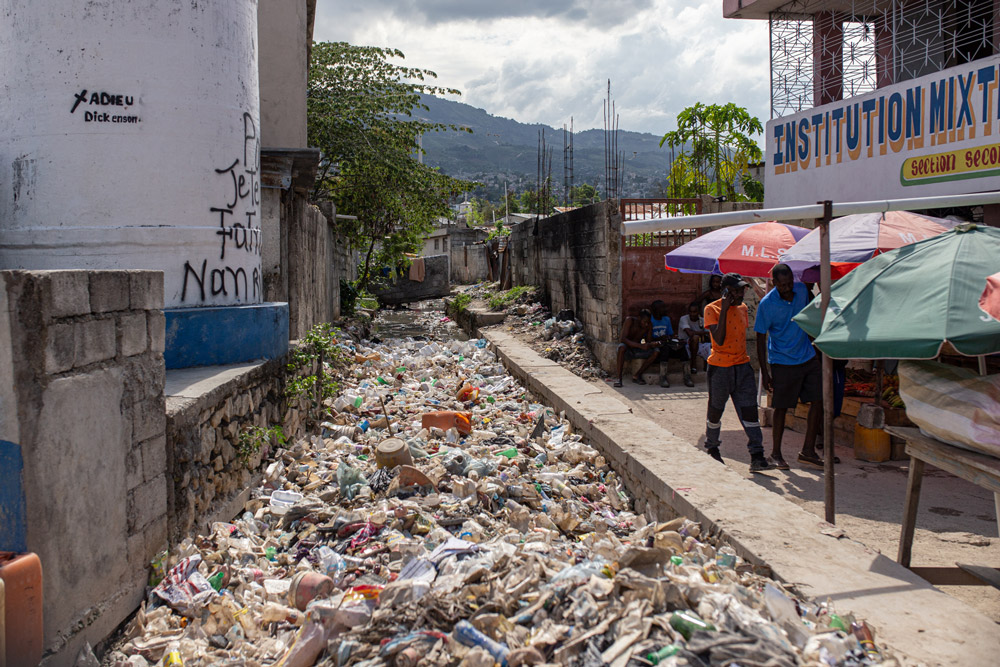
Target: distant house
436 242
448 235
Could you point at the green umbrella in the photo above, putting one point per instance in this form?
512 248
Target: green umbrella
906 303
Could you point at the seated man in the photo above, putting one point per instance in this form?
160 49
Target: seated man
670 347
637 343
690 330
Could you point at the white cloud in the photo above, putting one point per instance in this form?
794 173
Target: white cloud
544 62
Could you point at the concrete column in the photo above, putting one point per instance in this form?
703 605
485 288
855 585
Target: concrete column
828 58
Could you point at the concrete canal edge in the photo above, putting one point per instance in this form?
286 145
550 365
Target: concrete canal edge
672 477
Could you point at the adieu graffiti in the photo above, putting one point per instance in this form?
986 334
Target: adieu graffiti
102 98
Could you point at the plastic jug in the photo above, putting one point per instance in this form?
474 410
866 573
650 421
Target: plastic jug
446 419
871 444
22 578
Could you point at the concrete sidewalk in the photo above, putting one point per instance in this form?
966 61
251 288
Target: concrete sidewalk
956 522
668 474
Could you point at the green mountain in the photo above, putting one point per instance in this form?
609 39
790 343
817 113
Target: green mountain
502 150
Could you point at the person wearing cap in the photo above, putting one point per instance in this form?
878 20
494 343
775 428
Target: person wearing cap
795 372
730 375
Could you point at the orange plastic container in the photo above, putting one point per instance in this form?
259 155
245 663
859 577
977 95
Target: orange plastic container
446 419
22 579
871 444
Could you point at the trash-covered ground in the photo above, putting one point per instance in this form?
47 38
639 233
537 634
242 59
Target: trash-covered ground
556 336
491 534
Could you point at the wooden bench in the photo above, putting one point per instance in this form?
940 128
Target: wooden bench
980 469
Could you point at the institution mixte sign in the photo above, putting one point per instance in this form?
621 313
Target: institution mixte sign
936 135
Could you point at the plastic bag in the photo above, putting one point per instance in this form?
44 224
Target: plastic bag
350 480
952 404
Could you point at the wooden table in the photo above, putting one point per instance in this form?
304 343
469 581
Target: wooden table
980 469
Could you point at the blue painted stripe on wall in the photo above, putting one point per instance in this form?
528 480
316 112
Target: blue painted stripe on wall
225 335
13 517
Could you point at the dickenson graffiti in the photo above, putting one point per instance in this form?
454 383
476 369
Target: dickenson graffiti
104 99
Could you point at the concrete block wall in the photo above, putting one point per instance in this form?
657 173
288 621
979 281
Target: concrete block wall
313 287
81 399
575 257
304 259
468 264
436 283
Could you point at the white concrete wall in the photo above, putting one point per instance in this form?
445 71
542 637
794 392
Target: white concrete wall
131 139
284 71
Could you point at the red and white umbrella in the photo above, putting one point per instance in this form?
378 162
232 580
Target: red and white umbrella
750 250
857 238
989 302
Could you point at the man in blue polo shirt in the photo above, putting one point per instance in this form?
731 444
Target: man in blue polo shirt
795 372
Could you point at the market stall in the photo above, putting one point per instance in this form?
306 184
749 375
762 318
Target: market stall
915 303
823 213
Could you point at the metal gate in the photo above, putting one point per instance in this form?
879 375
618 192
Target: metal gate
644 278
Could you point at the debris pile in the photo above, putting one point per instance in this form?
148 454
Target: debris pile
443 518
560 338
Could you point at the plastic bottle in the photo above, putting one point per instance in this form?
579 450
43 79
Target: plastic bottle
782 611
866 639
687 623
331 563
726 557
172 656
216 579
279 613
466 633
667 651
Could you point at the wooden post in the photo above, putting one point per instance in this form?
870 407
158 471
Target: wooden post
825 281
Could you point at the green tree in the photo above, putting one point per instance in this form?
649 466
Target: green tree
716 145
583 194
484 212
360 115
534 201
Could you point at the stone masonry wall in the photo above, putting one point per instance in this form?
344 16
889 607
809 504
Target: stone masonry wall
209 479
86 350
575 257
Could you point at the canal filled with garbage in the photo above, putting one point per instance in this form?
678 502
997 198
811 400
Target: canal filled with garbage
442 516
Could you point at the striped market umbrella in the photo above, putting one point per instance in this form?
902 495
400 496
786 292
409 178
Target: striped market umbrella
989 302
857 238
750 250
909 302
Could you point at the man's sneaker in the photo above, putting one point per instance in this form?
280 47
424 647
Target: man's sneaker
714 453
664 382
760 464
688 382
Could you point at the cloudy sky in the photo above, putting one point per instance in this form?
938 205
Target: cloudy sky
546 60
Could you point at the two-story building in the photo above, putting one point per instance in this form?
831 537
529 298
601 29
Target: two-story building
881 99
